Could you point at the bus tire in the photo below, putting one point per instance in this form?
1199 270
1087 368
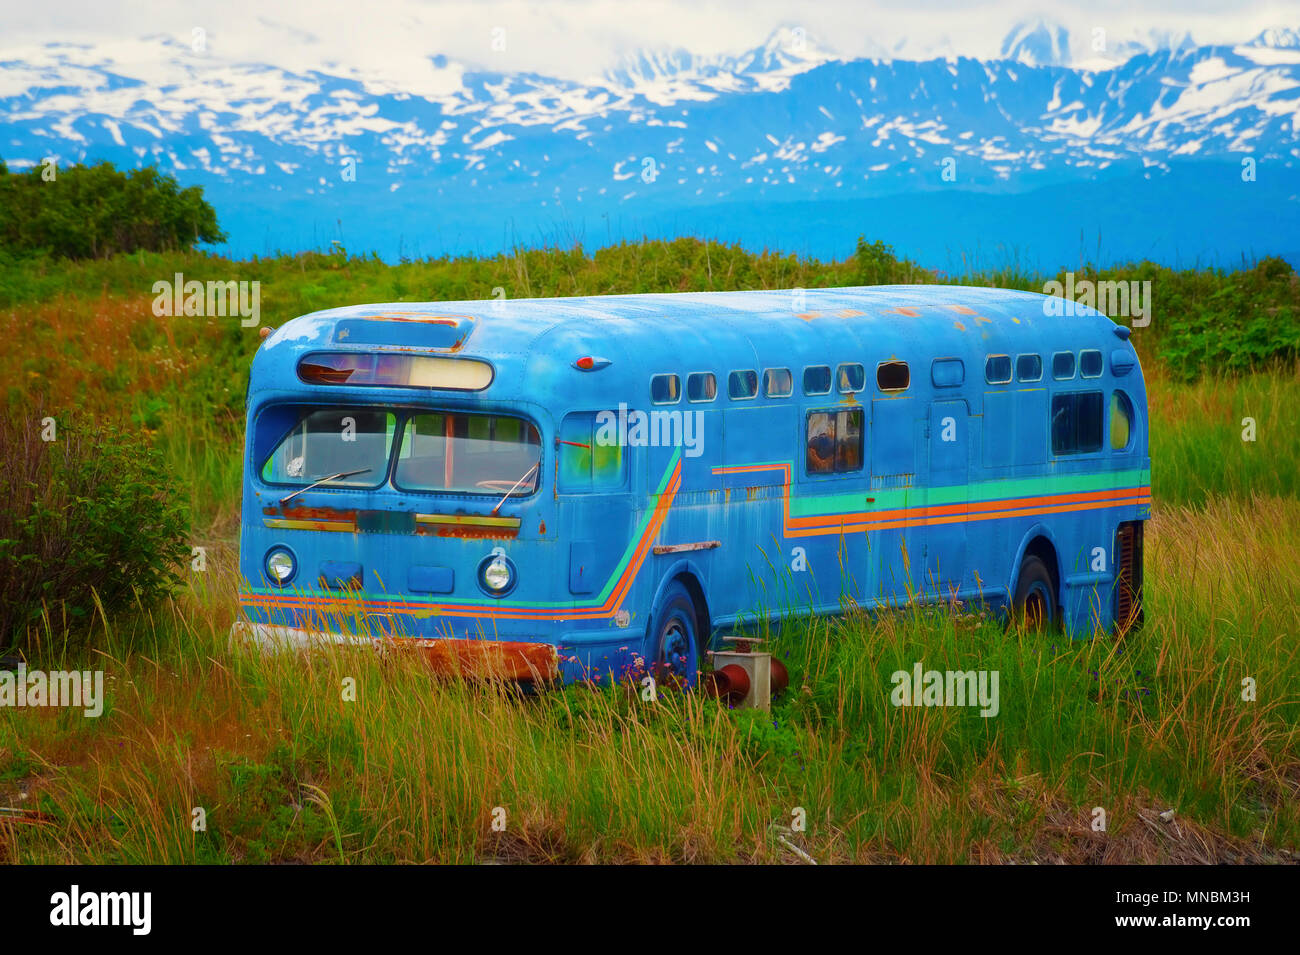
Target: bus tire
1034 604
672 650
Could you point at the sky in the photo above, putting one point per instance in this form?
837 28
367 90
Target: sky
390 42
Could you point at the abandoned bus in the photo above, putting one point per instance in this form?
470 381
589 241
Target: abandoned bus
574 486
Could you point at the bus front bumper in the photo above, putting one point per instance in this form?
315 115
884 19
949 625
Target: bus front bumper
481 659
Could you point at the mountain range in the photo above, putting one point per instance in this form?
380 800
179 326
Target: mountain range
1158 148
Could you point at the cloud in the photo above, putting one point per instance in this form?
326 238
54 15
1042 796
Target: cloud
391 43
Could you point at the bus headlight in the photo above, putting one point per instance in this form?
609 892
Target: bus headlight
496 573
280 565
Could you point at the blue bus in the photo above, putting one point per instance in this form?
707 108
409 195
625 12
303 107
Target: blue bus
576 487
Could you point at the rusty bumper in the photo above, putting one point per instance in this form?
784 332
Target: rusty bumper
477 659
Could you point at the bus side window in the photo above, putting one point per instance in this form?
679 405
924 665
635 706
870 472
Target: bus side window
1090 364
834 442
665 389
997 369
1121 421
1077 422
893 376
701 386
947 372
817 380
851 377
778 383
591 457
1063 365
1029 368
742 385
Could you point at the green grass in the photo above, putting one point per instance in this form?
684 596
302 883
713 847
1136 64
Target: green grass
1201 447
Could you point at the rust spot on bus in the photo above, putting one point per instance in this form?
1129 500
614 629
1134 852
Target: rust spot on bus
489 659
303 513
961 309
903 310
468 532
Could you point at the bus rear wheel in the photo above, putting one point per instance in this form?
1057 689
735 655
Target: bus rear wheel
1034 605
672 646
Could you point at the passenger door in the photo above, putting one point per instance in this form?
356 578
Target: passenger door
893 478
947 496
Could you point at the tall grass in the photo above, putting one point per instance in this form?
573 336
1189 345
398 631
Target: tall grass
1224 436
288 769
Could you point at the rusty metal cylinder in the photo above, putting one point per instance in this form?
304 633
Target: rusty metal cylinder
780 677
730 683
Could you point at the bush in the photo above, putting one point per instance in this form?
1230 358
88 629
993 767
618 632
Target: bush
1241 321
92 513
92 212
876 263
1212 321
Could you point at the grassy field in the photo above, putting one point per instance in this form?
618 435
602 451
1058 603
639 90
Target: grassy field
285 769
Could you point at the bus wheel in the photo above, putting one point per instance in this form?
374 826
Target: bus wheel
1034 604
672 648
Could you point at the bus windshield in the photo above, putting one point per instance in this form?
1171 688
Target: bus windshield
448 451
332 441
468 454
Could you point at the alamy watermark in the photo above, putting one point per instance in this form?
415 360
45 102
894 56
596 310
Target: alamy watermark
210 299
652 429
79 689
923 687
1118 299
75 907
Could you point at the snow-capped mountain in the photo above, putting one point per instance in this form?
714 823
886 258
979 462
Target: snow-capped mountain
1037 43
1284 38
658 74
662 133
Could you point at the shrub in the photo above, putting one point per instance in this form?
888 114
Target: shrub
92 212
91 513
875 263
1242 321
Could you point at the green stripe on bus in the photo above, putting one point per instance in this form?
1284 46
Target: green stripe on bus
805 505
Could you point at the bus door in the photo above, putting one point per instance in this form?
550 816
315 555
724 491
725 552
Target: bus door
753 491
895 432
594 484
943 549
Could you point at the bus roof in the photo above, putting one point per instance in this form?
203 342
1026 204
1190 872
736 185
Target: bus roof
639 335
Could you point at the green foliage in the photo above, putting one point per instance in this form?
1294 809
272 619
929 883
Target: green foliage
93 212
269 815
1229 322
89 517
1202 320
877 264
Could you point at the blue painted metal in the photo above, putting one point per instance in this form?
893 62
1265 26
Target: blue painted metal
957 479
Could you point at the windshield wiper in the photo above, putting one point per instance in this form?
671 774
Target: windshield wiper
325 480
513 489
